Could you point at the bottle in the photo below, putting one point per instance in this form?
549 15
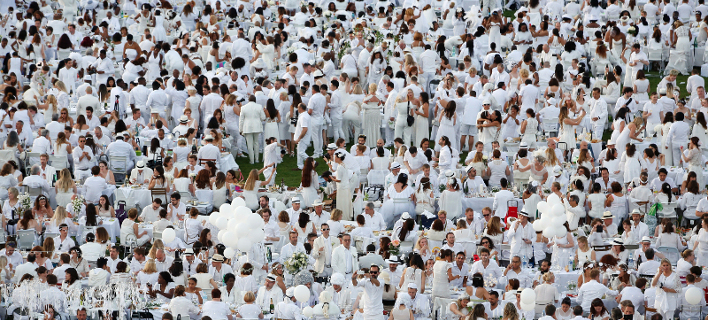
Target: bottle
282 185
630 259
269 254
272 306
570 263
116 106
525 262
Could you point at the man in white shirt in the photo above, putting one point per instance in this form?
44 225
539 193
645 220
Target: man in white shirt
678 135
302 135
151 213
43 143
639 228
501 200
162 223
373 292
94 186
91 250
210 151
120 148
141 174
592 290
322 252
26 268
60 271
113 259
663 178
598 113
319 216
316 107
637 61
163 262
100 275
374 219
268 293
460 270
63 242
487 267
83 157
14 257
176 210
344 257
37 181
514 271
451 245
633 293
520 234
291 247
648 266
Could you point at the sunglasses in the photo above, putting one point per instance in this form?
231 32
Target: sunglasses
485 242
373 272
325 229
485 215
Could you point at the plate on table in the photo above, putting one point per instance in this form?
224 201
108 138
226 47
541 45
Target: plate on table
202 202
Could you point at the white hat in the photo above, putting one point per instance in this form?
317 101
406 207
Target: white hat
189 252
552 101
217 258
87 78
412 285
557 169
258 64
317 203
295 200
636 211
662 90
646 239
486 101
525 214
140 164
523 145
290 292
607 215
406 215
395 165
183 119
337 279
208 137
616 242
318 73
449 173
331 146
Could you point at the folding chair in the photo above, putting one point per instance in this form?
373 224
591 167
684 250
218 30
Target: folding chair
550 127
160 193
119 166
670 253
25 239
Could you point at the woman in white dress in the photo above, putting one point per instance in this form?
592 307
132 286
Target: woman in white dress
682 56
271 130
372 117
665 143
694 157
700 246
451 198
65 188
399 198
250 188
529 129
158 33
447 120
344 188
351 119
562 248
414 273
404 108
641 88
617 202
567 126
630 132
420 111
442 275
376 67
668 284
309 183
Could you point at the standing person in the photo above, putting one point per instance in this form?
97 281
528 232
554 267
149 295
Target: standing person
373 292
694 157
521 232
668 288
442 274
678 135
302 135
250 124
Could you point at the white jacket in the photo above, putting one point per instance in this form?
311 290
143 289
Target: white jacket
339 262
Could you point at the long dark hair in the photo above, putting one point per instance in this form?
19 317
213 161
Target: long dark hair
272 111
406 228
91 215
307 172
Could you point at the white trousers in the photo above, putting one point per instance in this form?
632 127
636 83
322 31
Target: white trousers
302 151
252 145
316 135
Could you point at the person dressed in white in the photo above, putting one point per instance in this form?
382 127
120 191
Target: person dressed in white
344 257
250 124
83 159
520 234
373 292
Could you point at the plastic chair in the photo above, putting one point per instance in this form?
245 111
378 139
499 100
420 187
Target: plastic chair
119 166
25 239
670 253
550 127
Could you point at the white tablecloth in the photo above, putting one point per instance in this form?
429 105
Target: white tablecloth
111 225
132 196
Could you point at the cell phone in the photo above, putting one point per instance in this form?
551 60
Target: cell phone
599 228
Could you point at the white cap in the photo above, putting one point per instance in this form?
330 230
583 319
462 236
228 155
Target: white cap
395 165
337 279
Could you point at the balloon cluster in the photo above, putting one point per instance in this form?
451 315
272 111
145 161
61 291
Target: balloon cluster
552 217
528 299
239 227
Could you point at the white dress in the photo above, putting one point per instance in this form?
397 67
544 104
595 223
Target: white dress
447 129
153 67
666 303
441 286
309 194
498 171
270 130
372 123
344 192
158 33
530 134
451 202
681 57
702 249
561 255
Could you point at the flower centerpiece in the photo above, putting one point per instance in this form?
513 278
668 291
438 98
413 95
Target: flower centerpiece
546 190
495 189
77 203
296 263
25 201
394 247
572 285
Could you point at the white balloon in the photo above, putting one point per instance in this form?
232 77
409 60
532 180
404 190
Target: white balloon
244 244
538 225
229 253
553 199
212 218
242 229
548 233
220 235
302 293
558 210
307 311
242 213
168 235
231 226
558 221
238 202
528 296
560 231
230 239
543 207
225 209
222 223
528 307
693 295
254 221
317 309
257 235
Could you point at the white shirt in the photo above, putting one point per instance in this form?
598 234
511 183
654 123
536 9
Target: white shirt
93 188
373 295
375 222
85 163
42 145
592 290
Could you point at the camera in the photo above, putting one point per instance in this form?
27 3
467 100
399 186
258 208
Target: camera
599 228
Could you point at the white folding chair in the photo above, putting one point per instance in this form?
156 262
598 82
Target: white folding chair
25 239
58 162
550 126
670 253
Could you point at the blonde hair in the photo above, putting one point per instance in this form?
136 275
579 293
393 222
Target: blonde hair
357 89
251 181
65 182
52 100
524 73
150 266
509 309
60 86
372 87
249 297
60 215
548 276
3 262
336 215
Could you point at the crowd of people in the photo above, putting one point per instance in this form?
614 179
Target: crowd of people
430 137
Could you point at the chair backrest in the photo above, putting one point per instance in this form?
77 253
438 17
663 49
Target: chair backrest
203 161
51 235
156 235
35 192
58 162
376 177
119 164
186 196
159 193
550 124
25 239
654 54
6 155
